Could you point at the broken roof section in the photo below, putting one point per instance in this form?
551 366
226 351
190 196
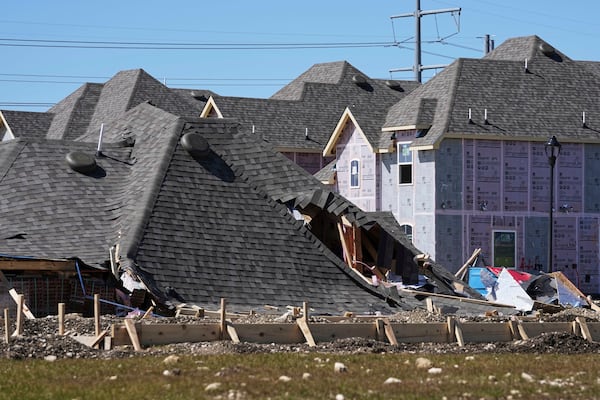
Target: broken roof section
195 225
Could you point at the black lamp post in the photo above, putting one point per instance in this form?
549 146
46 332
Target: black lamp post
552 148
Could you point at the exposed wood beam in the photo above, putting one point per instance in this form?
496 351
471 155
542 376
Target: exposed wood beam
37 265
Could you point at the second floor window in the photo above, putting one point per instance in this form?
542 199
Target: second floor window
354 173
404 163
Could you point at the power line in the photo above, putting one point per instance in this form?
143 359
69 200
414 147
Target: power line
80 44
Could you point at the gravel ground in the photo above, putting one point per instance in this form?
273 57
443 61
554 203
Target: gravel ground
40 338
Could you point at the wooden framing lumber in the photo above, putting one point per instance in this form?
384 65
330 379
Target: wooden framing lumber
222 320
426 332
61 319
585 332
345 248
282 333
305 329
522 330
455 331
460 274
485 332
384 329
20 303
160 334
6 326
232 332
133 335
594 328
37 265
97 314
99 338
457 298
13 293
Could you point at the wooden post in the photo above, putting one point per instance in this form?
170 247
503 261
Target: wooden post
97 313
585 331
223 323
305 310
6 326
20 302
61 318
133 336
455 331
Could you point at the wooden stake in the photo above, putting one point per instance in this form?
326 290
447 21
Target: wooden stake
305 310
133 336
61 319
222 314
13 293
96 342
585 331
455 331
232 332
303 325
522 331
20 303
6 326
384 329
97 313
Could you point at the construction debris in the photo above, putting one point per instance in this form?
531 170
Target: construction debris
526 291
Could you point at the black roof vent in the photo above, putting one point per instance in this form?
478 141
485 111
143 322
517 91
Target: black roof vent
195 144
359 79
81 162
546 49
392 84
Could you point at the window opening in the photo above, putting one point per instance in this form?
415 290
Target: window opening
404 164
354 173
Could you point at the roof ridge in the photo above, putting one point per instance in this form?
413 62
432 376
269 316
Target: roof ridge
149 196
452 94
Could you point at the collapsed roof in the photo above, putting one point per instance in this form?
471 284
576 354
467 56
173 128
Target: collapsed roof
199 211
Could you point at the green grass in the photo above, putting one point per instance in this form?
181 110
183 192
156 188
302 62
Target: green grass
256 376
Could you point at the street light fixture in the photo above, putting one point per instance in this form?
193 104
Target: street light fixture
552 149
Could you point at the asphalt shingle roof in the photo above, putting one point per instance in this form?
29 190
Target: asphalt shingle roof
195 228
546 99
315 101
29 124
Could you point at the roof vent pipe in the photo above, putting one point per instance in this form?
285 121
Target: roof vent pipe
99 149
485 116
306 134
583 125
526 69
470 119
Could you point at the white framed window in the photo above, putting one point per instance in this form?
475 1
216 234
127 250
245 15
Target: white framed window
354 173
505 249
404 164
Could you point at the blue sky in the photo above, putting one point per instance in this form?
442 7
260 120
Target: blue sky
40 64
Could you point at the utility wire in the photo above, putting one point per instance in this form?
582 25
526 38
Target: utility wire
43 43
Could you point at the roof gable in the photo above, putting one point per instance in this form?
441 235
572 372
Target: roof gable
346 118
25 124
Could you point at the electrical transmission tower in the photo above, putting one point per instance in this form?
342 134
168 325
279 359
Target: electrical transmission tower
418 14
